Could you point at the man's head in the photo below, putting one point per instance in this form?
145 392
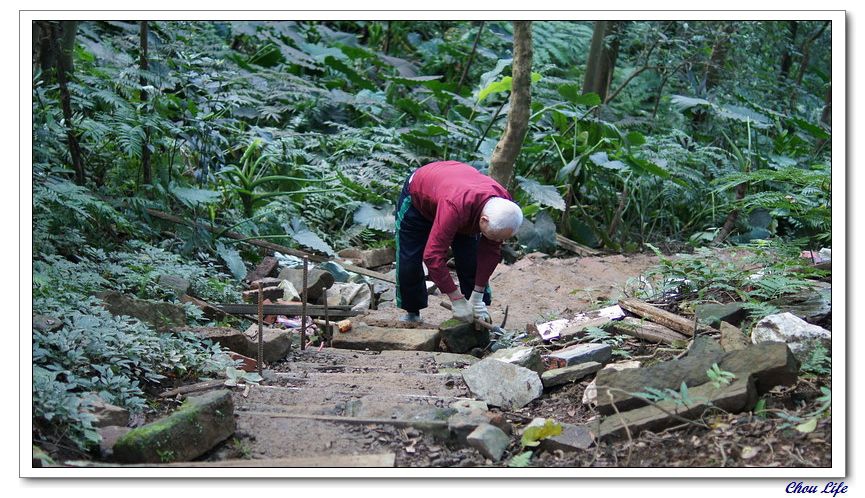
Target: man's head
500 219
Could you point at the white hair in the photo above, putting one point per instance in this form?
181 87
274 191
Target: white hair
503 214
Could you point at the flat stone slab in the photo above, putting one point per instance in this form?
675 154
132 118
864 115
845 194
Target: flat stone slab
738 396
380 338
770 364
197 426
559 376
590 395
502 384
523 356
580 353
277 343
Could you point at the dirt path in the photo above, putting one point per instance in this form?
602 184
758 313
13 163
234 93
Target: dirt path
538 289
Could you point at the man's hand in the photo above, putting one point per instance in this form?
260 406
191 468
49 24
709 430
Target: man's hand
479 309
462 310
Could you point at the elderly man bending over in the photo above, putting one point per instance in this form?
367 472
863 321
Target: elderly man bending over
444 205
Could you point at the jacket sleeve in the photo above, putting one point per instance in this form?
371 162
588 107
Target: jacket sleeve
441 236
489 256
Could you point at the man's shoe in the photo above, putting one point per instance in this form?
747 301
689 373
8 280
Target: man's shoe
411 318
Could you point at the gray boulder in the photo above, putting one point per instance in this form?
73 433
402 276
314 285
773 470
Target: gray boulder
503 384
800 336
523 356
489 440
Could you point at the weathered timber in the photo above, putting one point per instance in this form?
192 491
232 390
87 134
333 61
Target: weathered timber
662 317
267 245
287 309
647 331
574 247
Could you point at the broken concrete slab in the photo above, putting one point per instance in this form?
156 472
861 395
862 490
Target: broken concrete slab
489 440
161 316
712 314
197 426
573 437
733 339
317 281
364 336
461 337
770 364
559 376
502 384
590 395
523 356
738 396
801 336
580 353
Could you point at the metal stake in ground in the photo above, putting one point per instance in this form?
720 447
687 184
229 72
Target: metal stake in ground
303 303
260 327
327 333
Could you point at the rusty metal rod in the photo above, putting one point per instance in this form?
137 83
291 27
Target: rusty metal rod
328 335
303 303
260 327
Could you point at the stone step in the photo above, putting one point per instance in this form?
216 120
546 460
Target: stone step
380 338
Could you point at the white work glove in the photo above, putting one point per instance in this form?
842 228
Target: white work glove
462 310
479 309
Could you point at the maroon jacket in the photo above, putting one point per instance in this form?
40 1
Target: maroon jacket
452 195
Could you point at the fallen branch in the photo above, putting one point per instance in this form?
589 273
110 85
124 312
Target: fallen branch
574 247
648 331
665 318
267 245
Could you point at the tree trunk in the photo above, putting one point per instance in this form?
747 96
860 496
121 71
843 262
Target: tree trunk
145 146
64 37
506 151
602 59
787 56
44 48
718 58
826 117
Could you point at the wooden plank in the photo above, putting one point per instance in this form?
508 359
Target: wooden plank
375 460
286 309
647 331
267 245
662 317
574 247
